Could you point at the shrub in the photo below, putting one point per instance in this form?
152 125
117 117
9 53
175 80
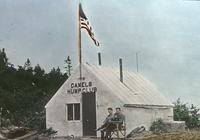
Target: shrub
189 114
158 126
49 132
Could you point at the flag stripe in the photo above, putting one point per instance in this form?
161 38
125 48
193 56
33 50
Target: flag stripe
84 24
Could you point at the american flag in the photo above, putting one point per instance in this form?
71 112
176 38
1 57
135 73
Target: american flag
84 23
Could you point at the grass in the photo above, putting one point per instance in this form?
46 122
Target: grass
186 135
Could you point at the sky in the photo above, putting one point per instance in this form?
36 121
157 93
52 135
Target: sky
164 33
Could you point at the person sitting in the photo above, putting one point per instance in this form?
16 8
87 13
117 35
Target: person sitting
107 126
119 116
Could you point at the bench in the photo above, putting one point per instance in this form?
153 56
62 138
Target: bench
120 129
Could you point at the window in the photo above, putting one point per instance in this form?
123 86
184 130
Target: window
73 112
77 111
70 111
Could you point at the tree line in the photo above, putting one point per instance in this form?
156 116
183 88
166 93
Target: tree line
24 91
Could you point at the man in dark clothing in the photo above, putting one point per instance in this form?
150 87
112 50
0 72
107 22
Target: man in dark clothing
107 125
118 116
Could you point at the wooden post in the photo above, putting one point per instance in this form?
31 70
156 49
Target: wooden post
121 70
99 58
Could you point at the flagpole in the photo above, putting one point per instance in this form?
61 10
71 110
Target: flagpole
79 43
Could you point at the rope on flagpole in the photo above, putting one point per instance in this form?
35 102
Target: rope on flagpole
79 43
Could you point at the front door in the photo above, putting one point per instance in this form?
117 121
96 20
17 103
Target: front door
89 113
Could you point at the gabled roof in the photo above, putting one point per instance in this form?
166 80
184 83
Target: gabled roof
135 89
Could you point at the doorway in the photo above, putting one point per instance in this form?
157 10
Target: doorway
89 113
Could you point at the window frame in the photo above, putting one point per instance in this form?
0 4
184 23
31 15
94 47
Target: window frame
79 112
73 111
67 112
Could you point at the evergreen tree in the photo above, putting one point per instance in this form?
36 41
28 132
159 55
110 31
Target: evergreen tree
181 111
188 114
24 91
69 66
38 70
28 66
3 60
193 121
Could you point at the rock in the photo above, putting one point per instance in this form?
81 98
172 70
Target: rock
2 137
13 132
136 132
17 132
